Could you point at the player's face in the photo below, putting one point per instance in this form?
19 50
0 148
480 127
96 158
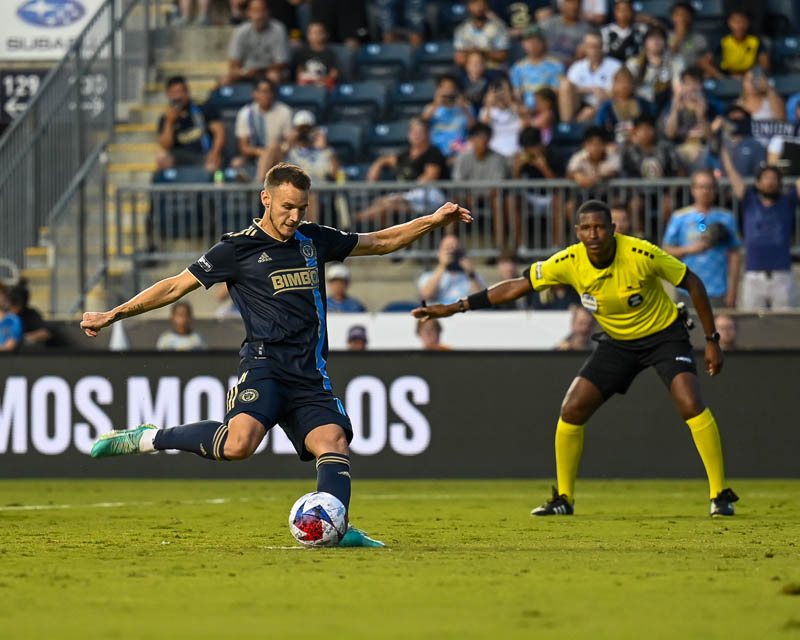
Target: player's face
285 207
596 232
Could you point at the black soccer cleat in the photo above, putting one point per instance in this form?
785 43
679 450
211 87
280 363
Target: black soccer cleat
558 505
722 505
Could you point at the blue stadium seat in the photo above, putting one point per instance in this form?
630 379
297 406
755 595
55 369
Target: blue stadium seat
786 13
723 89
383 61
359 101
345 59
655 8
410 98
400 306
560 155
230 99
709 9
231 148
786 53
786 85
178 214
347 139
309 97
386 138
434 58
570 133
356 172
452 14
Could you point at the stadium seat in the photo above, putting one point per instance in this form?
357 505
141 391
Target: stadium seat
785 16
569 133
386 138
709 9
178 214
356 172
400 306
452 14
359 101
410 98
559 155
434 58
786 85
309 97
383 61
231 148
347 140
655 8
786 54
723 89
228 100
345 59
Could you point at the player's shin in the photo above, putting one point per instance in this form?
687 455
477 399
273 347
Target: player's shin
333 476
706 439
206 439
569 448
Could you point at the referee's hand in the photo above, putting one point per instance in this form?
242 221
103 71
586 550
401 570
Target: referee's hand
434 311
713 358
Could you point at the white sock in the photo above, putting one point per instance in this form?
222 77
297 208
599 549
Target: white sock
146 441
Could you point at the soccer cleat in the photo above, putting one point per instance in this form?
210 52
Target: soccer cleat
558 505
357 538
722 505
120 443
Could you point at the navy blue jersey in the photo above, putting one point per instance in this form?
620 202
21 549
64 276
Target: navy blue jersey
279 289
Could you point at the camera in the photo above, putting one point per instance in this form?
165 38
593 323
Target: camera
455 261
449 98
175 104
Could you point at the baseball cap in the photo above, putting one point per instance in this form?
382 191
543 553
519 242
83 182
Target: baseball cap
357 332
303 118
338 272
533 31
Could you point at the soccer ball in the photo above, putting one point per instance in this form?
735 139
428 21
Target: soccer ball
318 519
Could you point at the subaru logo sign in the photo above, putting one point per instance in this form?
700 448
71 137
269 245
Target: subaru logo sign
51 13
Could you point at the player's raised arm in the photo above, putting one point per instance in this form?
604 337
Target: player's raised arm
499 293
159 295
393 238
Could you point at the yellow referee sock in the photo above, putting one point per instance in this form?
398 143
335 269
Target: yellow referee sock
706 439
569 447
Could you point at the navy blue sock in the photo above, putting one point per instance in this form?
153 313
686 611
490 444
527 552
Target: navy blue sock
333 476
206 439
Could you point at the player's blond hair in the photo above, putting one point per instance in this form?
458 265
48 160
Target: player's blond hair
284 172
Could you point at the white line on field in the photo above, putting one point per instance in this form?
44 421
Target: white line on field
107 505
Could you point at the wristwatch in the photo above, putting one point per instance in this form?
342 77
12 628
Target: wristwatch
714 337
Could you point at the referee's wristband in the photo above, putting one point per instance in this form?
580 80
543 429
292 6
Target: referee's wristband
479 300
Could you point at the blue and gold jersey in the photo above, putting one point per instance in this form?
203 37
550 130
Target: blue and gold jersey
627 297
279 289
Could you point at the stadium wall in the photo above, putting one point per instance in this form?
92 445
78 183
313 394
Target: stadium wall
455 415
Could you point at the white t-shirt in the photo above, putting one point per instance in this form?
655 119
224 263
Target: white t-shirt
583 76
263 127
506 125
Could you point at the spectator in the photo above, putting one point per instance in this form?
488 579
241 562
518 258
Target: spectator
740 50
558 298
621 218
580 338
686 45
344 20
588 82
259 47
645 156
536 69
449 117
706 239
617 114
261 128
338 276
475 79
227 307
503 116
479 162
594 12
623 38
357 338
768 222
308 148
10 324
593 163
545 114
402 19
454 276
759 99
315 62
726 327
687 120
189 134
185 10
429 331
422 162
793 107
508 268
181 337
34 329
784 151
654 68
565 32
734 133
483 32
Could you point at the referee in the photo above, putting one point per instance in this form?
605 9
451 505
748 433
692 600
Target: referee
618 278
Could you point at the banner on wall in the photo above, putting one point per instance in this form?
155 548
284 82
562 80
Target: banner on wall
42 29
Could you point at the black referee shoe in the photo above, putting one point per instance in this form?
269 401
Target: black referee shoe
722 505
558 505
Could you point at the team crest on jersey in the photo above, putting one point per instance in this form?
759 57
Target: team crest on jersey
589 302
635 300
308 250
248 395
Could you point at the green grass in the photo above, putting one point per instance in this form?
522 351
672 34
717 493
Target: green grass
641 559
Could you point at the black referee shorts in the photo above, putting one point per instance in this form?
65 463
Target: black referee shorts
615 363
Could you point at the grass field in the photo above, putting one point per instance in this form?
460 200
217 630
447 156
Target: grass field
202 559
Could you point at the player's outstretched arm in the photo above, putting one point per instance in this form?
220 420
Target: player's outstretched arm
702 305
159 295
499 293
388 240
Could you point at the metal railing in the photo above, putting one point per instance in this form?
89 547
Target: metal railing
532 217
50 155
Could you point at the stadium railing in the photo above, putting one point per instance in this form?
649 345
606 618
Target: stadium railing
52 173
182 220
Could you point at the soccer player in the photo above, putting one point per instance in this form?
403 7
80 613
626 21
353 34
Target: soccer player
618 279
275 273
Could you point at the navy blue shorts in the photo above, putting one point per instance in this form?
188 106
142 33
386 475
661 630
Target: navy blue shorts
297 409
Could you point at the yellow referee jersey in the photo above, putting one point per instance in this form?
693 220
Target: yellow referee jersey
627 297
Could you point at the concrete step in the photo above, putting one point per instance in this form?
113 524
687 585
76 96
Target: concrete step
132 152
201 44
205 70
